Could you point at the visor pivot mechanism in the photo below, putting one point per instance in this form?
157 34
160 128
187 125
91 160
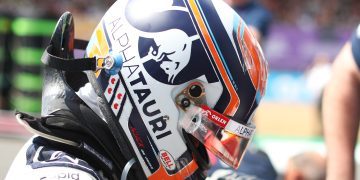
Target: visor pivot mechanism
185 102
112 63
193 94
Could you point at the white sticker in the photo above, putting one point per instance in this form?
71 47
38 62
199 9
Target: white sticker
239 129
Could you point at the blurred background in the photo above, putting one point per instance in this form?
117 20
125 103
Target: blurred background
300 41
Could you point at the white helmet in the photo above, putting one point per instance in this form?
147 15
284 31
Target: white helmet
168 80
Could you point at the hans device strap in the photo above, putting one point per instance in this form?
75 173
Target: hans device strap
111 63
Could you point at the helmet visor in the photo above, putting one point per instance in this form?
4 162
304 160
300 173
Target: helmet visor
224 137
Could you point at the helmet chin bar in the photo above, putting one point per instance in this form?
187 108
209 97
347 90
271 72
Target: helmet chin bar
224 137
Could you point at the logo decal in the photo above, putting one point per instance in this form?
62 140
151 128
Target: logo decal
215 117
167 160
169 45
173 57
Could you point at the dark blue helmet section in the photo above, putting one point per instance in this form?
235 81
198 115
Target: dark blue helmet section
234 65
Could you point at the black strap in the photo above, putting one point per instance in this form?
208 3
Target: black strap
72 65
80 44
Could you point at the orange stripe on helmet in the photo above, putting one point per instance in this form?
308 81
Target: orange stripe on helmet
182 174
234 98
251 44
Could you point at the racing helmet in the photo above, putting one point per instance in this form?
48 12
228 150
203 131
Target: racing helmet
173 80
192 75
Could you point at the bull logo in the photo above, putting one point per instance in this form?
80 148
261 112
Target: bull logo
169 45
173 51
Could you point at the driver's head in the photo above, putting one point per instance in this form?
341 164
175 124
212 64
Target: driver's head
192 76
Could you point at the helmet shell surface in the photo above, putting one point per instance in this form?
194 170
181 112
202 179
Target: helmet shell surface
164 46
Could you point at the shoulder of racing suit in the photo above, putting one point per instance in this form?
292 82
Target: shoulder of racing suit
39 159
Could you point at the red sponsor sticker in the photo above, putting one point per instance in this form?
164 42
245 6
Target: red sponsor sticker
137 137
215 117
167 160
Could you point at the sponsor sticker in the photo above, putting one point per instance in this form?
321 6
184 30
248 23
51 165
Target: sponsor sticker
240 130
227 124
167 160
215 117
